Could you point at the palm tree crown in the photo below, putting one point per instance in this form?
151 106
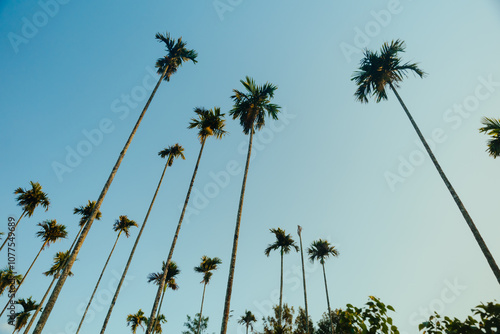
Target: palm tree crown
176 55
247 319
492 128
51 231
321 250
136 320
8 279
284 242
123 224
172 273
209 122
60 260
22 317
206 267
172 152
85 212
251 106
30 199
380 69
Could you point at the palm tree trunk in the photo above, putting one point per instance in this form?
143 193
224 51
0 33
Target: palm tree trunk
247 329
327 298
57 289
40 305
15 226
174 241
159 307
281 291
229 289
76 238
201 310
24 277
468 219
132 252
304 283
97 284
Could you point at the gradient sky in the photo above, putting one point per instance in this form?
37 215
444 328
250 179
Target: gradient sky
323 165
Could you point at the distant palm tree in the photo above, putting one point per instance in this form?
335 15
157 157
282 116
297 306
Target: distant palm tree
378 70
248 319
22 317
60 260
168 65
321 250
206 267
285 244
170 153
136 320
299 232
85 212
250 108
29 200
209 123
8 279
492 129
122 224
157 323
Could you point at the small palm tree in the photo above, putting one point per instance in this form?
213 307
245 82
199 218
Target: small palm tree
210 123
206 267
492 129
379 70
251 108
177 53
22 317
85 212
121 225
29 200
247 319
299 232
136 320
284 243
159 319
60 260
170 153
321 250
8 279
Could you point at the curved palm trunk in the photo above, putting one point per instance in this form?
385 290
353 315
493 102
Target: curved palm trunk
327 298
24 277
281 292
15 226
174 241
304 283
97 284
229 289
132 252
57 289
201 310
40 306
468 219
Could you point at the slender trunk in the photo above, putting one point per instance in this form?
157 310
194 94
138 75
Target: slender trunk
174 241
76 238
468 219
159 307
24 277
97 284
304 283
281 292
247 329
15 226
132 252
40 305
229 289
57 289
327 298
201 309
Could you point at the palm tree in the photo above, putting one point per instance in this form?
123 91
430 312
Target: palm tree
321 250
170 153
136 320
168 65
8 279
122 224
492 129
85 212
60 260
209 123
22 317
159 319
251 108
284 243
248 319
299 232
51 232
377 71
29 200
206 267
173 271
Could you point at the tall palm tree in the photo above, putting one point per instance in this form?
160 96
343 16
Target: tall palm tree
22 317
170 153
492 129
8 279
50 232
168 65
206 267
379 70
299 232
60 260
136 320
210 123
250 108
284 243
122 224
85 212
29 200
247 319
321 250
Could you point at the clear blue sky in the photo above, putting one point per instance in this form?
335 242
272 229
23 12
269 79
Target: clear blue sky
323 165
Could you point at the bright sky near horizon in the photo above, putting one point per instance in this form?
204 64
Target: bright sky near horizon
75 76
